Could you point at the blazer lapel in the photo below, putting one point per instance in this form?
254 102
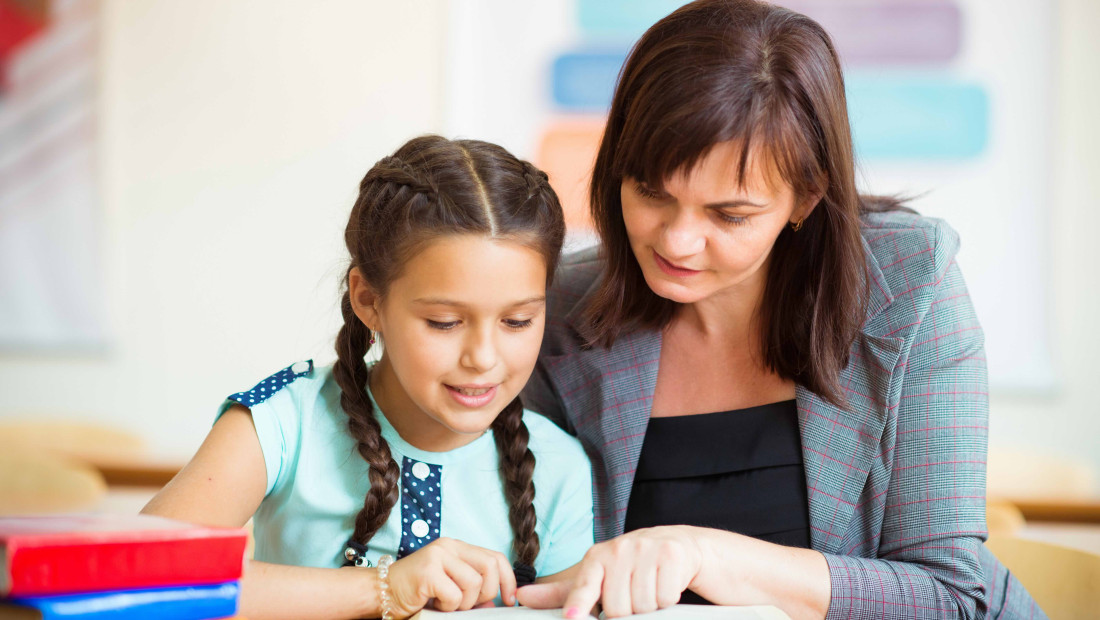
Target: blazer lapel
841 444
612 392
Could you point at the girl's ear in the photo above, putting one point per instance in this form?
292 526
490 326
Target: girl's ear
364 300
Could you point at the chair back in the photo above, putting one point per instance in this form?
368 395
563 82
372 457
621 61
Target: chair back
1065 582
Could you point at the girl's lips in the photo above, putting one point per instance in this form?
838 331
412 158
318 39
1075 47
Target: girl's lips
472 397
671 269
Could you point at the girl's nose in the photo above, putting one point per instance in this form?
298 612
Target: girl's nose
480 352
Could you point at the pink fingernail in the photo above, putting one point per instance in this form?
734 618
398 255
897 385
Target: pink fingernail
572 612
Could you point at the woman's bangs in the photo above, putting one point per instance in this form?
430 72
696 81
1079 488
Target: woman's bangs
777 144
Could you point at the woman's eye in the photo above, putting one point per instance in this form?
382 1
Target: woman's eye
732 219
518 324
442 325
646 192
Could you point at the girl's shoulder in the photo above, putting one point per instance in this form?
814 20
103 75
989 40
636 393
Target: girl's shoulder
547 437
295 382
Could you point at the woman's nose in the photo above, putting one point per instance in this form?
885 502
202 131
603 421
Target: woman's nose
683 235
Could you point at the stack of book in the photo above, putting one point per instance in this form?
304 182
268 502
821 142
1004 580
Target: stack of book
95 567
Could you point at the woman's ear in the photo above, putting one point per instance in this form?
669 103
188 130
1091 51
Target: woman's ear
807 205
364 300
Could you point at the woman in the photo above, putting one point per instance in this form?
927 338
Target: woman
781 383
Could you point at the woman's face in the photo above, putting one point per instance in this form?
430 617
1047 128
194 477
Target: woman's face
701 235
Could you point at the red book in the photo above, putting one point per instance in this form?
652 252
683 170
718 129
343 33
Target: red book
61 554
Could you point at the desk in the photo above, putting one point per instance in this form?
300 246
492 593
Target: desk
142 473
1076 510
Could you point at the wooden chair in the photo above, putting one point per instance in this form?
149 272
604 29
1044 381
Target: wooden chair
82 441
1027 473
1003 518
32 482
1064 582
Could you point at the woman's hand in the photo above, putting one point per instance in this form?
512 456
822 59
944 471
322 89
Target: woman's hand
642 571
648 569
456 575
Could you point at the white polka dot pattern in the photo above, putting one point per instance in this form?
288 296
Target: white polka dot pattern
269 386
421 504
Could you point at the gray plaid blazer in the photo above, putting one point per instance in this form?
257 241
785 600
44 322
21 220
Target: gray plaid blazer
895 480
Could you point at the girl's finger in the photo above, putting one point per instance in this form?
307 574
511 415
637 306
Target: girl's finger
507 580
544 595
498 577
466 578
447 594
489 569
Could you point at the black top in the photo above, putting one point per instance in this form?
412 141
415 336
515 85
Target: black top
739 471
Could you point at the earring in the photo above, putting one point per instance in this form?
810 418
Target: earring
797 226
371 341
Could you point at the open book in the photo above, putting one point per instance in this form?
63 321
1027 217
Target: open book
676 612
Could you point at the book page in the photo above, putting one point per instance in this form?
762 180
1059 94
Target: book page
676 612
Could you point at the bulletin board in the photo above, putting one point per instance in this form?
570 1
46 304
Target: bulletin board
51 220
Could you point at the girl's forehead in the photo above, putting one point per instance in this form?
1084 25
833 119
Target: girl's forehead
472 269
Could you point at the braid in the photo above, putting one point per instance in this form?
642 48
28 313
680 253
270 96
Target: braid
536 180
396 171
350 372
517 468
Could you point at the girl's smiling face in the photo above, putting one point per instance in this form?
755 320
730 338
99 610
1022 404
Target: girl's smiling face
462 326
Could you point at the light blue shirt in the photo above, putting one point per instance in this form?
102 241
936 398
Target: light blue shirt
316 481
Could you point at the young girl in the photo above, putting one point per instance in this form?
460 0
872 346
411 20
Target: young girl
452 246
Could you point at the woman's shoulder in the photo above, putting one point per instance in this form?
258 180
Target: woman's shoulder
576 274
910 252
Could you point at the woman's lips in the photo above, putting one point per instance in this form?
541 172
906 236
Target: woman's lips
671 269
473 397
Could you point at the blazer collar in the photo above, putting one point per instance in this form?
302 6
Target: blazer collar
840 445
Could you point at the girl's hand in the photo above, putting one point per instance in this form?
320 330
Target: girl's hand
642 571
458 576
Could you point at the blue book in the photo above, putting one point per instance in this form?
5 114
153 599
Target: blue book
176 603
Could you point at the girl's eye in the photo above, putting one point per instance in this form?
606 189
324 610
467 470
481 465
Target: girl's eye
441 325
518 324
646 192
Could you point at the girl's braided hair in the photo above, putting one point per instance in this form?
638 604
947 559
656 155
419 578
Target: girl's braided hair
433 187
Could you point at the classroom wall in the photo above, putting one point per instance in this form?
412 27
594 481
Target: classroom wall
1066 422
233 137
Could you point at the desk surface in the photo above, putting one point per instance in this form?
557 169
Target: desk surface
1041 509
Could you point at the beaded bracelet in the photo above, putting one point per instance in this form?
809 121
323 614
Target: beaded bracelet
384 602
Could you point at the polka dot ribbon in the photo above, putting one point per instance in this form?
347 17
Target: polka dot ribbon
269 386
421 504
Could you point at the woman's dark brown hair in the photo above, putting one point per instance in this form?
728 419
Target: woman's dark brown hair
433 187
768 80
